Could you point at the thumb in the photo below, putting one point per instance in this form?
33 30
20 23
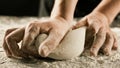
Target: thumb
82 22
49 44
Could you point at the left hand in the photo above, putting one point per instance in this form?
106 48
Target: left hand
56 28
99 35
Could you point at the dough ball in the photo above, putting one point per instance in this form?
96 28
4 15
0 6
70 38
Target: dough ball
71 46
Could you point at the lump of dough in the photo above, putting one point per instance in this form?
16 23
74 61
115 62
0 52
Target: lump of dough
71 46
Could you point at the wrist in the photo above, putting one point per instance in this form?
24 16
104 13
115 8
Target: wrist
108 8
64 9
62 19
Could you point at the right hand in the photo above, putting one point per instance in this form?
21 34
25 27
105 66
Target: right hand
98 35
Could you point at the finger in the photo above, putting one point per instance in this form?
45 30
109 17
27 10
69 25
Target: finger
12 41
115 43
5 46
108 43
90 34
89 38
31 32
82 22
50 43
98 42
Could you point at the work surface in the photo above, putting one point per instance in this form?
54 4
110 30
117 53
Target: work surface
83 61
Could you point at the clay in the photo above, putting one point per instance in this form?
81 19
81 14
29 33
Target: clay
71 46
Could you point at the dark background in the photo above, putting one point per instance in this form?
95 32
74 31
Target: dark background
32 7
19 7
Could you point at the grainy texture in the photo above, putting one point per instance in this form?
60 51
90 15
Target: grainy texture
84 61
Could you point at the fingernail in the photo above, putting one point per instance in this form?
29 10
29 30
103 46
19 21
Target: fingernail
44 51
115 48
107 52
93 52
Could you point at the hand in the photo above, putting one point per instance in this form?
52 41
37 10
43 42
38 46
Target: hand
56 28
10 43
98 34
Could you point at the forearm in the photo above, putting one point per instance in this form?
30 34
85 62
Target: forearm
64 9
110 8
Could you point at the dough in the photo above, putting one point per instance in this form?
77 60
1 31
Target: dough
71 46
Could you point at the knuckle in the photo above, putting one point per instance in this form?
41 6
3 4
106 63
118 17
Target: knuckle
8 31
8 38
51 45
109 36
32 27
33 24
